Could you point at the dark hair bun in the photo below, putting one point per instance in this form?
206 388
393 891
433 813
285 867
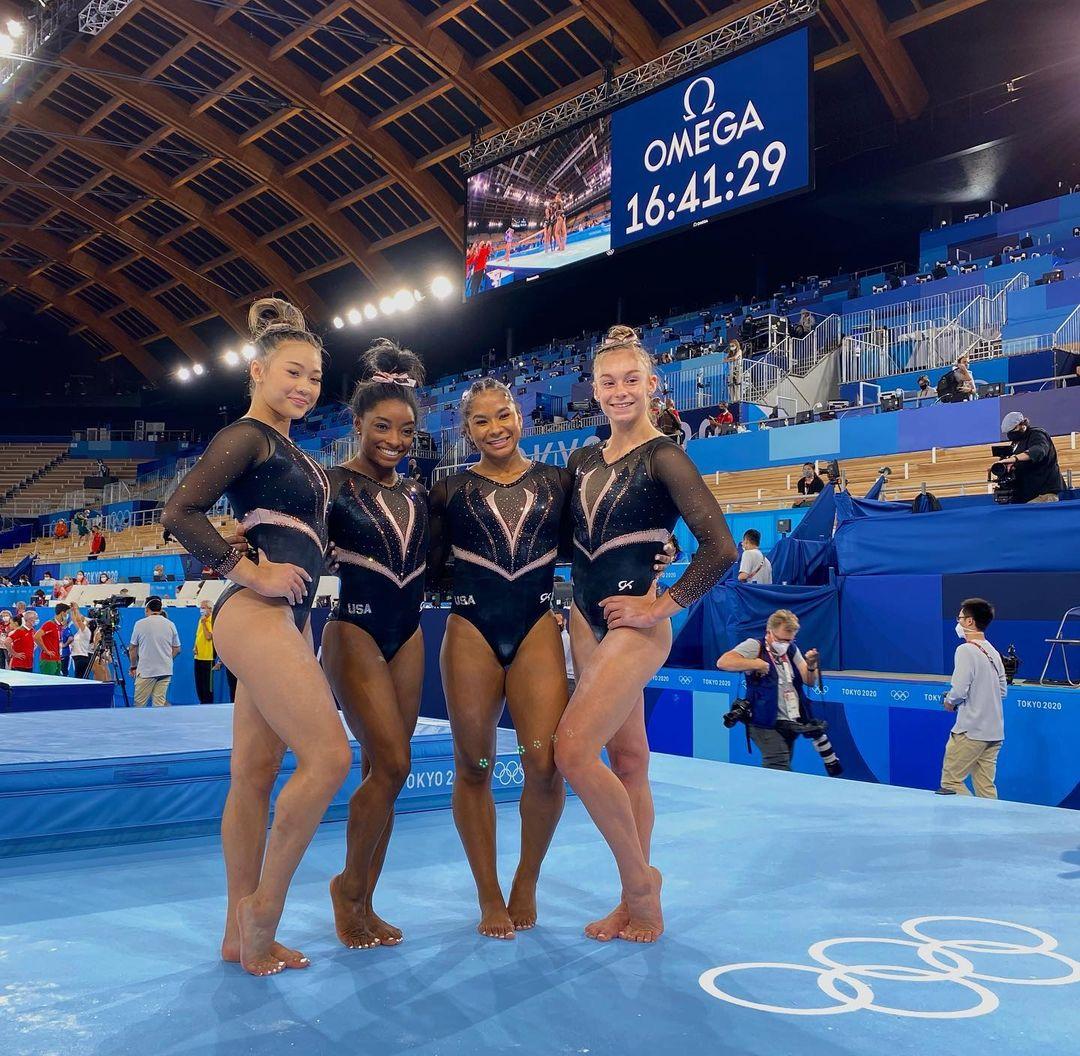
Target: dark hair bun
385 356
269 315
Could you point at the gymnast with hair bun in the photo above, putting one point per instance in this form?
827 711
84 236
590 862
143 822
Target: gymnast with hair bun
280 495
372 645
627 494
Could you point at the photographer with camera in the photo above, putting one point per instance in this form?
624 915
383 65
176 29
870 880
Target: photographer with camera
1033 463
776 709
154 646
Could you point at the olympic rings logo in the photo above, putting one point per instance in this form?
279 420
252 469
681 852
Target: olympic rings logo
843 984
900 694
509 773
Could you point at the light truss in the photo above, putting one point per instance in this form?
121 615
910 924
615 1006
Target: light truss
49 30
752 28
99 13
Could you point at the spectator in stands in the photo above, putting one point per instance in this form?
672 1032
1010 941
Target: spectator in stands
48 641
81 520
976 692
754 567
62 589
413 470
1035 459
97 542
22 638
80 578
204 654
734 361
159 574
667 421
60 529
104 578
965 380
38 599
24 580
47 581
774 686
721 423
154 646
810 483
924 390
20 609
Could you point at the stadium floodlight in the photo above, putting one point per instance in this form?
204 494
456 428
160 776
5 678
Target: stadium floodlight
387 306
441 287
248 351
338 322
370 311
354 317
184 374
198 370
403 300
231 358
15 28
417 296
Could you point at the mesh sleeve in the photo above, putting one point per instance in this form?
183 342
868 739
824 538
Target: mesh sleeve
438 538
236 449
566 524
716 553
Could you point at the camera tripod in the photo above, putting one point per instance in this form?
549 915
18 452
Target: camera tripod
107 649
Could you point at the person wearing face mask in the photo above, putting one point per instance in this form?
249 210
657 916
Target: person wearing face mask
976 692
1035 459
776 673
203 653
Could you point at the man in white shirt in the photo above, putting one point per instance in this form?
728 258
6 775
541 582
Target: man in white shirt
754 567
154 644
976 694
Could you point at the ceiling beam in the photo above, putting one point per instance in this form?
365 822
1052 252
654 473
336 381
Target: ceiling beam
293 83
108 331
403 236
357 68
402 22
164 107
531 36
886 57
445 12
309 29
413 102
634 37
155 185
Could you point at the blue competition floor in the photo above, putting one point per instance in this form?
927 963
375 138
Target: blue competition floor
113 951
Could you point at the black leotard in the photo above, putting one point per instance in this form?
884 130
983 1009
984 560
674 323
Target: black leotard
624 512
380 534
278 492
505 540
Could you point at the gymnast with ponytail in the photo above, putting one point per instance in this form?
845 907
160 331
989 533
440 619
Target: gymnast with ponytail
372 645
262 630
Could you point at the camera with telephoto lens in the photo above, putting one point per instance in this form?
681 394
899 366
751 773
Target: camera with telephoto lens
1001 476
814 731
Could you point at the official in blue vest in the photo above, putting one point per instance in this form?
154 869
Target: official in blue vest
776 673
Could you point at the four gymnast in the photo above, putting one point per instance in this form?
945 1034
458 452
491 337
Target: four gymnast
628 493
262 631
372 645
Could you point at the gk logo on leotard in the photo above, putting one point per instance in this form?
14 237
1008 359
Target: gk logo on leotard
544 598
626 584
464 599
358 608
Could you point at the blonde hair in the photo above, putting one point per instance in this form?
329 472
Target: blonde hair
620 338
783 618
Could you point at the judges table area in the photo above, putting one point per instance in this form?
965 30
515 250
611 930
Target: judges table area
886 728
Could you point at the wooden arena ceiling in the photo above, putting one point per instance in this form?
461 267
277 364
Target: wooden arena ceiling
283 148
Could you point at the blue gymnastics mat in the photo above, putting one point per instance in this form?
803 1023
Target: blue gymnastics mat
28 691
796 911
88 778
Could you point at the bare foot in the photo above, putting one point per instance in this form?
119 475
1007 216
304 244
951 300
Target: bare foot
230 951
607 928
495 922
351 920
522 905
387 934
646 922
257 956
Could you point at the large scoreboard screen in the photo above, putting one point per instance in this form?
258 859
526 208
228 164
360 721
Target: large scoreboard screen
727 138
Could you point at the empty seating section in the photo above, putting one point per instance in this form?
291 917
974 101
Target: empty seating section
19 462
945 472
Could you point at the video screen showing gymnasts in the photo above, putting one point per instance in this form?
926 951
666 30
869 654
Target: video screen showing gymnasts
539 210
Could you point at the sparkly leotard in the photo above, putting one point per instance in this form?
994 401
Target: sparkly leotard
278 492
380 536
505 540
623 512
